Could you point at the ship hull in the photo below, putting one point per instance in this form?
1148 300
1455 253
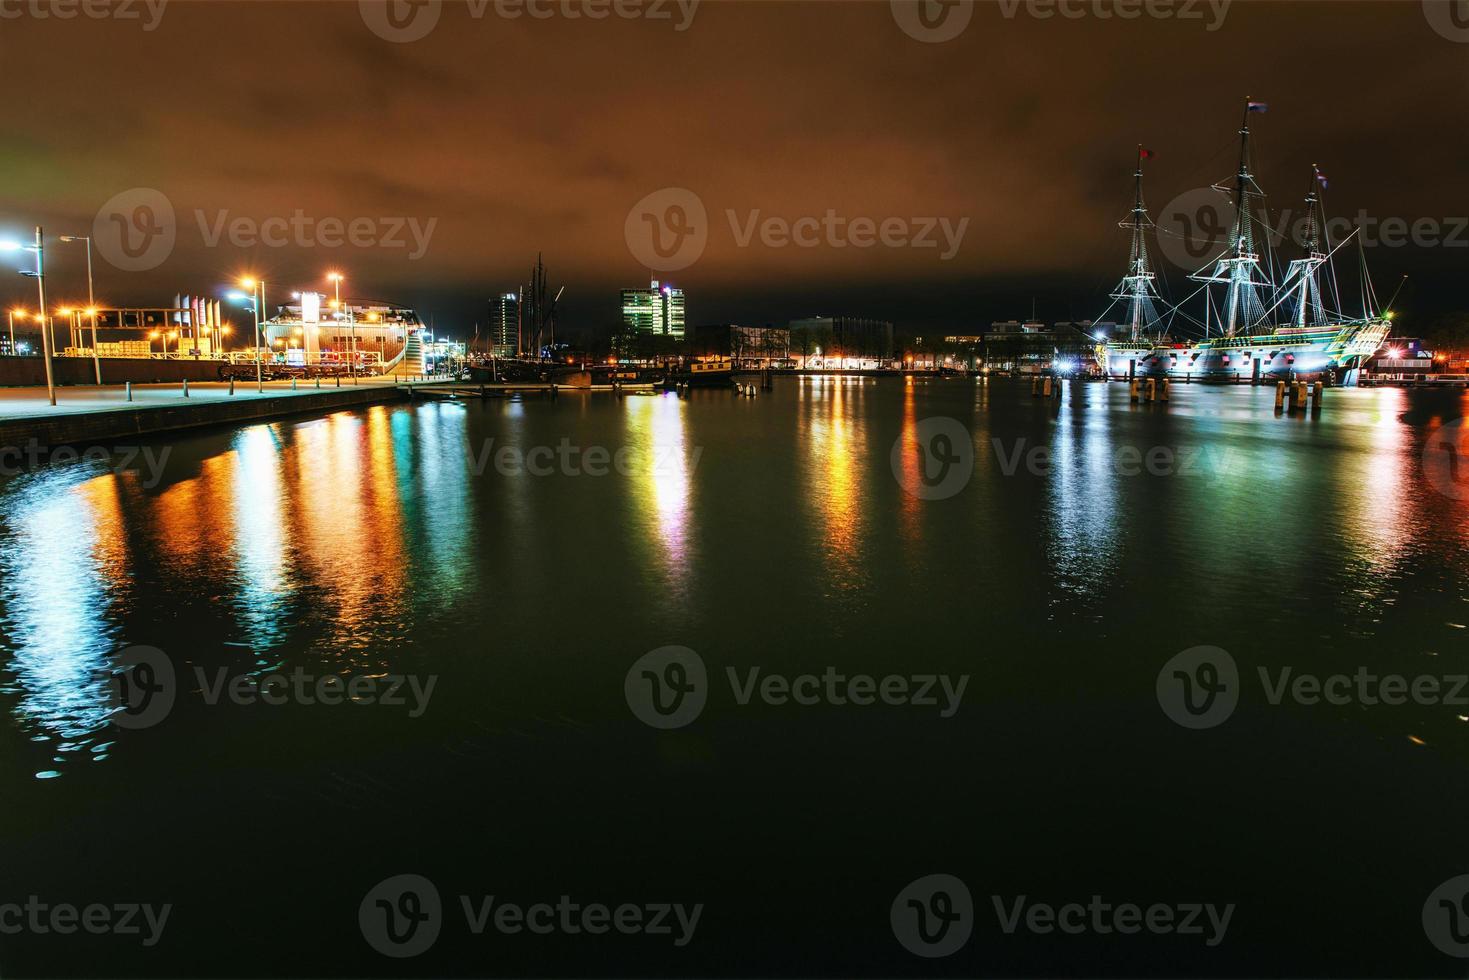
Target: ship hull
1327 353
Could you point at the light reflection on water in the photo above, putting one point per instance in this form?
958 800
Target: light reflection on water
336 540
63 565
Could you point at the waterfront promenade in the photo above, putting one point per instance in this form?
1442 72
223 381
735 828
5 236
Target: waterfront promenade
87 414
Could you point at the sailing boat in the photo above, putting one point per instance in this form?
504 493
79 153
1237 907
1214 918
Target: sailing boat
1295 336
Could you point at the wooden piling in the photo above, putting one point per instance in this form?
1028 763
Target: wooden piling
1150 389
1317 396
1132 389
1279 397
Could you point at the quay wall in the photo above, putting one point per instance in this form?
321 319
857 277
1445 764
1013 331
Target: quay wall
30 371
82 428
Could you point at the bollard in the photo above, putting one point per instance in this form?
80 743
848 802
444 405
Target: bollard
1317 394
186 387
1132 389
1163 390
1279 397
130 390
1150 390
293 384
1046 386
232 386
1035 385
1300 399
339 381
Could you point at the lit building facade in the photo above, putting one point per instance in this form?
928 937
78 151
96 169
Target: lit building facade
505 325
846 342
657 310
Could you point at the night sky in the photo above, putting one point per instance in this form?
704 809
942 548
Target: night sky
510 136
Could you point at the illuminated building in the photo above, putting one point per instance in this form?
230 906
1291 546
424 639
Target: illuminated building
851 339
504 325
657 310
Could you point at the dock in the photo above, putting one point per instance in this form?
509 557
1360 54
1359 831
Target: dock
89 415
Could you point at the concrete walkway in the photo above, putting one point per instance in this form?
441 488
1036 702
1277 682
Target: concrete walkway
85 415
24 403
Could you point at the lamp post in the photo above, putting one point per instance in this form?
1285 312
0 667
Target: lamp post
40 276
91 301
256 301
13 312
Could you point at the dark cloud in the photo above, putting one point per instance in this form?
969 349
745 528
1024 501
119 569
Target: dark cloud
525 135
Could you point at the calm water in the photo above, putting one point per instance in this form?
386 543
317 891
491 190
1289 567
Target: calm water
776 533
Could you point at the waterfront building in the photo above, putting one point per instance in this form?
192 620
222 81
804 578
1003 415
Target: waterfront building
657 311
504 325
846 342
375 330
748 346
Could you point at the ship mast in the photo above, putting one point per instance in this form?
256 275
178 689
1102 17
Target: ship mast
1237 268
1306 270
1137 286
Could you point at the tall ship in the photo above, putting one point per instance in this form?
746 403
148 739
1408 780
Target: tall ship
1253 326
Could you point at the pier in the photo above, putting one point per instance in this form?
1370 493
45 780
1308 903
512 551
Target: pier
89 415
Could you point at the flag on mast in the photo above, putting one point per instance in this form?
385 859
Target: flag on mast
1259 107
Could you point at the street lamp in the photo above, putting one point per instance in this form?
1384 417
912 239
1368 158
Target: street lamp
254 300
22 313
40 276
91 301
335 278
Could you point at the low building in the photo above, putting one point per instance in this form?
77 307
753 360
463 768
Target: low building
841 342
749 346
